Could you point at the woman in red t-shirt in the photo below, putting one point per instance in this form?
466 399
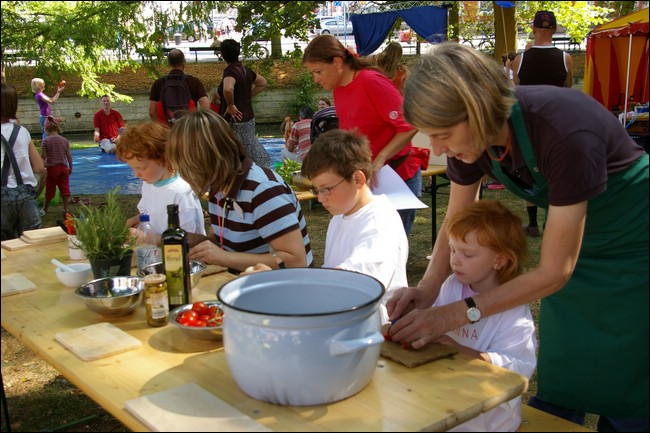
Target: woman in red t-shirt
367 100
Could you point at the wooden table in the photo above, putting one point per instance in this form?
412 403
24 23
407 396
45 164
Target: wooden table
433 171
435 396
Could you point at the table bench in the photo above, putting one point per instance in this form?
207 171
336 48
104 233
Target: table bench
535 420
433 171
567 42
195 50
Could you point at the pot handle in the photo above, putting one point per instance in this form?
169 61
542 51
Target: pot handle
343 347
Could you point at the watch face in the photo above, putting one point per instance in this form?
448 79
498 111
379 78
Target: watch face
473 314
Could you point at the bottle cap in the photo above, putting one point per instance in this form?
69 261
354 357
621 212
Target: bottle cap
154 278
144 217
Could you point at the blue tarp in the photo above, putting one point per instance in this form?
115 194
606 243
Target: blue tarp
95 172
371 30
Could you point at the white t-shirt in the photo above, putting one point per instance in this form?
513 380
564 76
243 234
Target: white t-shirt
175 190
21 151
509 339
371 241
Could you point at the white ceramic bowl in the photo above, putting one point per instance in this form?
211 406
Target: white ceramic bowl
81 275
200 333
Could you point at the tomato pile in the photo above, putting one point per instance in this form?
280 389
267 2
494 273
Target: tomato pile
201 315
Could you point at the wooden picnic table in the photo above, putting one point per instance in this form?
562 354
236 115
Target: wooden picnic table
432 397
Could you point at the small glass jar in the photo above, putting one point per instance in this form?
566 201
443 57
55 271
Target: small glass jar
156 300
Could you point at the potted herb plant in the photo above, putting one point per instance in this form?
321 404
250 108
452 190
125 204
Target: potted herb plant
103 235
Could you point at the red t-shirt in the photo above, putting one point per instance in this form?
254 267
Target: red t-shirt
372 104
108 124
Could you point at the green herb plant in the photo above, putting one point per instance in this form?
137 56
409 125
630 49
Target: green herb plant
102 232
288 166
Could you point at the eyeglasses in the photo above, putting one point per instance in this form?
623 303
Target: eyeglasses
326 191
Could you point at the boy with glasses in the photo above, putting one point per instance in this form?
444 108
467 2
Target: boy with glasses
365 233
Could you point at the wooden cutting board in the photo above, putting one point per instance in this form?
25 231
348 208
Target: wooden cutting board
30 238
189 407
412 358
97 341
44 234
16 283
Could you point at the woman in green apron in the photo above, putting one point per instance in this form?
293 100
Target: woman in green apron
561 150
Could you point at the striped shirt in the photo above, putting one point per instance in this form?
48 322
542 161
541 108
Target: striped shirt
56 150
259 208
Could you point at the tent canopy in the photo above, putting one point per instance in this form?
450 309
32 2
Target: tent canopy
610 47
370 30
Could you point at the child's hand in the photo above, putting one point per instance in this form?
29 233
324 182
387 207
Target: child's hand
260 267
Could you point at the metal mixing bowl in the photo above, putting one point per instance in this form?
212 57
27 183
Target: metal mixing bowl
112 296
196 270
201 333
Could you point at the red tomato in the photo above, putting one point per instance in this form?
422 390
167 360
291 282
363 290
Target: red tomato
212 310
62 83
187 318
200 324
205 318
200 308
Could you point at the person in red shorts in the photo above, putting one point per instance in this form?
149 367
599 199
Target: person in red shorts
58 162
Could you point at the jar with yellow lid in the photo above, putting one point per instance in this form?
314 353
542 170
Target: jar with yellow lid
156 300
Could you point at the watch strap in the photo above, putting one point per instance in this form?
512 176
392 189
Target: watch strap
470 302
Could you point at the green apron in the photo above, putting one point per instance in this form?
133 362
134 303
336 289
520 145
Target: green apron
593 353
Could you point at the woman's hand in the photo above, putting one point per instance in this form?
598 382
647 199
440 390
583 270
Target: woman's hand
234 112
207 252
419 327
403 300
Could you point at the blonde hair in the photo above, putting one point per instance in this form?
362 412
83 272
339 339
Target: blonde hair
213 95
389 59
498 229
205 151
454 83
36 84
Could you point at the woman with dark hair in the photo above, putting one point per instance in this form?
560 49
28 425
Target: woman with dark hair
236 91
367 100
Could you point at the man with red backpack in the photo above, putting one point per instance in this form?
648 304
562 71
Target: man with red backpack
177 93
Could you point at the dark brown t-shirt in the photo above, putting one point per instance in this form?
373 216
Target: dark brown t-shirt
243 99
576 141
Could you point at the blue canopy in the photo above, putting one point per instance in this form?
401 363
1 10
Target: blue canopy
370 30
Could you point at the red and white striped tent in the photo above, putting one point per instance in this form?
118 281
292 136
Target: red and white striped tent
616 65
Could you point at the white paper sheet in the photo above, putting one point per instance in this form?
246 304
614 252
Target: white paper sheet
390 184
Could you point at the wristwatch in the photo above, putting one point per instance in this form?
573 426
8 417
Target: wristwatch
473 313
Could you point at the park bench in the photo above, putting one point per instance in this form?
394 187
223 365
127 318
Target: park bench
567 42
215 50
535 420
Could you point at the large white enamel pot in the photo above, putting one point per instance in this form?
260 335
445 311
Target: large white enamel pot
302 336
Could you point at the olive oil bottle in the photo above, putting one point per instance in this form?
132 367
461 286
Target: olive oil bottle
176 261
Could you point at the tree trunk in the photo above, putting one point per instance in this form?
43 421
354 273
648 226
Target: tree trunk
276 47
505 30
453 21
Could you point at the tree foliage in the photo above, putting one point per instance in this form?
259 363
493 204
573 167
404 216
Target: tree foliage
90 38
272 20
